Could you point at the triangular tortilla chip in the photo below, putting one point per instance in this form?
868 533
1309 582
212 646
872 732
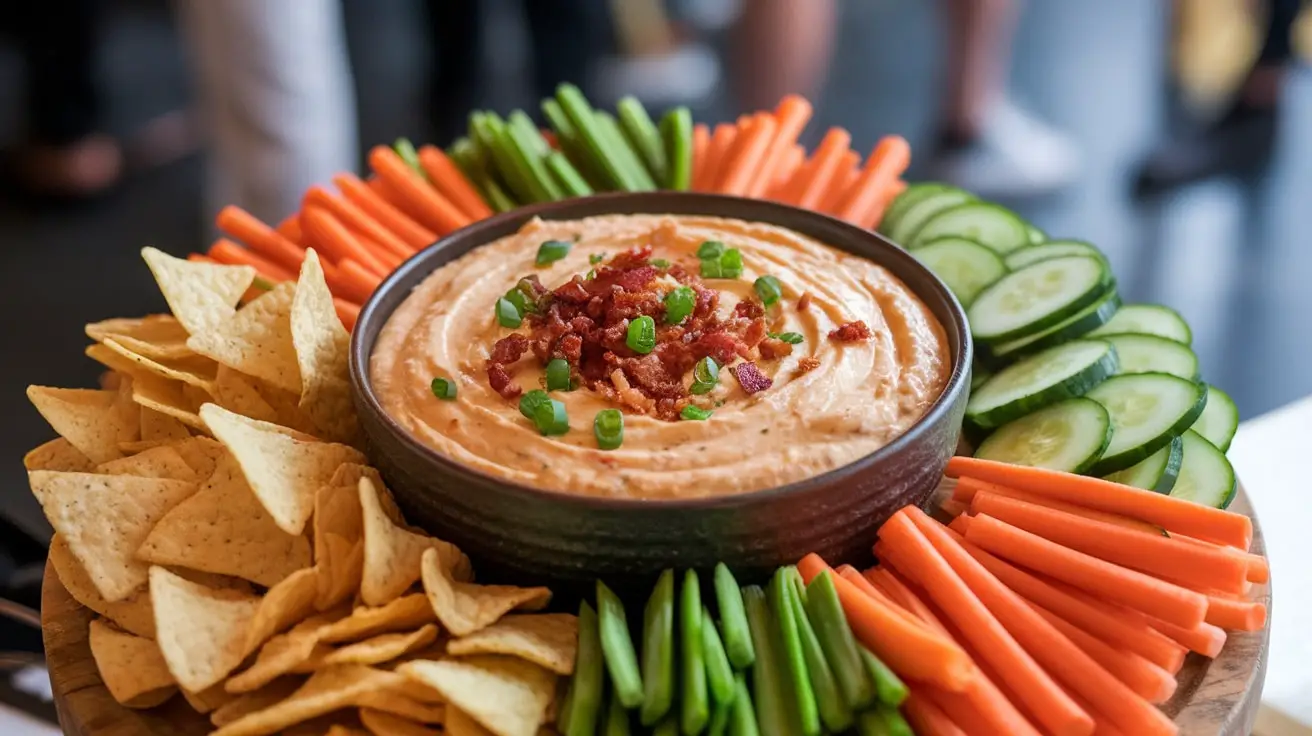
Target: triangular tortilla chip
223 529
283 654
158 336
284 471
394 702
459 723
60 454
238 393
201 630
200 295
157 462
384 647
338 543
104 518
256 340
464 608
322 347
134 613
548 640
168 398
92 421
403 614
507 696
250 702
391 552
201 453
286 603
131 666
161 427
195 371
381 723
208 699
328 690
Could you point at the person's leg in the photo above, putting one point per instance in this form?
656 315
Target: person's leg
979 36
781 47
457 41
568 37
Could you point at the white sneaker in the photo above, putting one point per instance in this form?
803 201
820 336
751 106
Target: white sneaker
1017 155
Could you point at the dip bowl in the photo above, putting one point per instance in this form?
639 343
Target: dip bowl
517 533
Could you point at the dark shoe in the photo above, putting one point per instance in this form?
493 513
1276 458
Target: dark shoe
1239 143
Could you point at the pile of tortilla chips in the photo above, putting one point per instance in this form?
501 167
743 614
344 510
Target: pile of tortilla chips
210 508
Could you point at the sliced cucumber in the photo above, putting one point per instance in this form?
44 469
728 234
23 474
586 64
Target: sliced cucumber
988 224
964 265
1041 380
1055 249
908 198
1036 235
1069 435
1077 326
1036 297
1153 354
1147 410
1220 419
1149 319
979 375
1206 476
1157 472
919 213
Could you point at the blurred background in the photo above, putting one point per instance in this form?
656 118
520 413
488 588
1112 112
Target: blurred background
1174 136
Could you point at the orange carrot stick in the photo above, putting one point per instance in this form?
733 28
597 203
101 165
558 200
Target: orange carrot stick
890 157
347 312
811 185
422 201
359 222
1150 553
1173 514
1259 571
901 593
927 718
701 143
745 159
290 228
855 578
849 169
968 487
1235 615
240 224
1151 682
348 288
793 160
201 258
721 143
451 182
414 235
364 280
886 198
1204 638
910 650
226 251
790 117
327 234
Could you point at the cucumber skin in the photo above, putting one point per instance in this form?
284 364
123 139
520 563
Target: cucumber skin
1107 285
905 200
1076 385
1080 326
1234 479
1088 461
1135 455
917 240
905 235
1166 481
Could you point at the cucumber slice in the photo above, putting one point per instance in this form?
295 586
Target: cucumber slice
988 224
1037 236
964 265
979 375
1147 410
1033 254
1152 354
1040 380
1069 436
1037 297
908 198
1220 419
919 213
1157 473
1206 476
1077 326
1149 319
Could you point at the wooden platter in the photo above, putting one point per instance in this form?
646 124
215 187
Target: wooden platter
1218 696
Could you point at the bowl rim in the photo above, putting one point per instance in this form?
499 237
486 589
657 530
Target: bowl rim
713 205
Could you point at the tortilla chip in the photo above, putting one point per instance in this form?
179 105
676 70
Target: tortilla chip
200 295
384 647
157 462
392 553
260 699
403 614
161 427
464 608
133 613
284 471
257 340
338 729
459 723
211 698
381 723
201 630
104 518
338 546
158 336
238 393
60 454
548 640
168 398
322 345
195 371
286 603
507 696
394 703
201 453
92 421
289 653
131 666
223 529
329 689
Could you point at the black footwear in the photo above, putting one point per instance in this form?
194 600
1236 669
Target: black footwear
1239 143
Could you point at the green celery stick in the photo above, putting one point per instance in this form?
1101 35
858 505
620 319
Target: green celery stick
825 613
642 134
834 711
719 673
594 137
676 128
799 684
617 646
695 707
628 157
742 719
569 178
769 679
582 710
888 686
733 621
658 651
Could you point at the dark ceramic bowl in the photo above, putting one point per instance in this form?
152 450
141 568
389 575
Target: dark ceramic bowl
515 532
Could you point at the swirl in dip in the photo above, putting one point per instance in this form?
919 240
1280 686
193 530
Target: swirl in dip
870 361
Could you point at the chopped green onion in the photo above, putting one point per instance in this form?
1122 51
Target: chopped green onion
551 418
609 428
596 258
522 299
660 263
529 402
444 388
552 251
590 275
711 269
642 335
731 264
558 375
695 413
679 303
769 289
508 314
792 338
710 249
704 376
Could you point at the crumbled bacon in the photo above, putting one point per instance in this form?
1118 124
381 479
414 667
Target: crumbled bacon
499 379
772 348
748 309
851 332
751 378
804 302
806 365
509 349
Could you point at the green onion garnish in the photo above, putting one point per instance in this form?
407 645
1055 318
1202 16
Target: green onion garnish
609 428
679 303
551 418
710 249
522 303
552 251
529 402
769 289
406 150
704 376
642 335
558 375
444 388
711 269
660 263
792 338
590 275
508 314
695 413
731 264
596 258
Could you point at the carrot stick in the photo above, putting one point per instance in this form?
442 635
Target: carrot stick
1150 553
1259 571
359 282
910 650
907 598
927 718
968 487
701 143
811 184
359 222
429 207
855 578
241 225
414 235
383 255
290 228
1204 638
792 161
451 182
226 251
889 158
1235 615
1151 682
331 238
721 142
745 159
201 258
842 180
790 117
1113 582
1173 514
347 312
885 199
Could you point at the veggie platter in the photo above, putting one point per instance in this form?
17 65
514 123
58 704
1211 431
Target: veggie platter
227 558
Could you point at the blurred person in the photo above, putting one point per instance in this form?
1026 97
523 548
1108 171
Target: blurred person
780 47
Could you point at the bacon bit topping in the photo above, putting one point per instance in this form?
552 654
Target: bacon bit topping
751 378
804 302
506 351
851 332
806 365
748 309
772 348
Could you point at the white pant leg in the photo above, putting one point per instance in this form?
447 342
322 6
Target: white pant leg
275 84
